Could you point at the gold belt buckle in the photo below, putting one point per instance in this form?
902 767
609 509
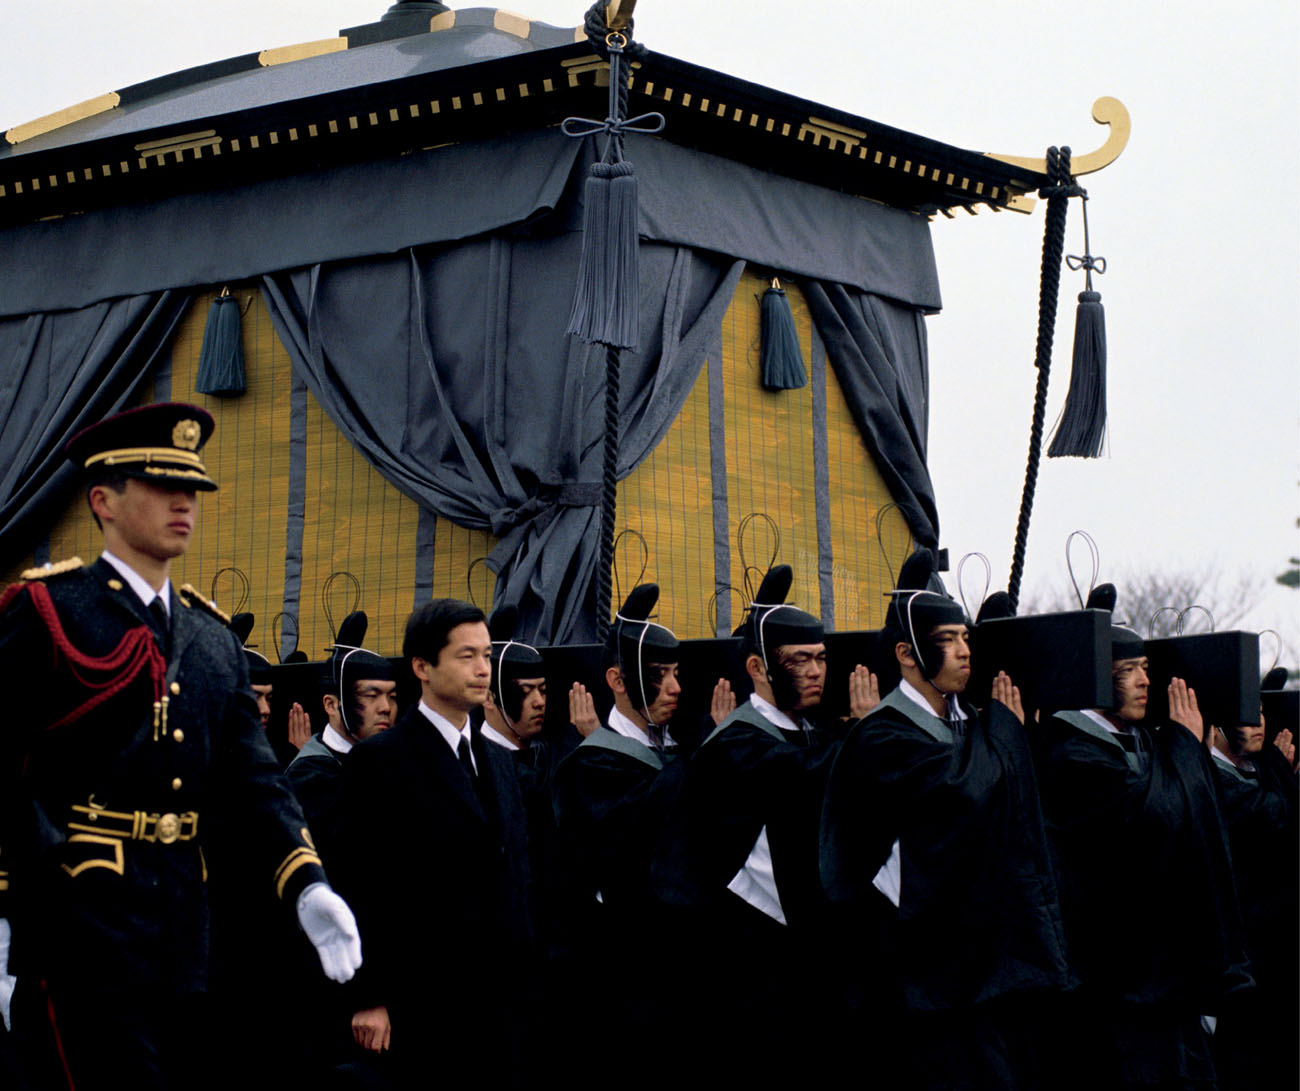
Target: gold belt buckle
169 828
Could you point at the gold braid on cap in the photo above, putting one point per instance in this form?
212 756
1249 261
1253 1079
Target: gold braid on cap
145 454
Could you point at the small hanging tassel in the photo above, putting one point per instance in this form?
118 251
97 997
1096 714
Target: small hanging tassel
1081 430
782 358
221 359
605 305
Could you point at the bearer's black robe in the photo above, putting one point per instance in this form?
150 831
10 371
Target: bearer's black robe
972 964
612 796
749 970
1147 894
1254 1045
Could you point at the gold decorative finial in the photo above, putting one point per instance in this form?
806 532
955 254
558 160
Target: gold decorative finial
618 13
1105 111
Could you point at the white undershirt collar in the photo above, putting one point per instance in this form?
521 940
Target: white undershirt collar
909 690
490 732
773 714
334 740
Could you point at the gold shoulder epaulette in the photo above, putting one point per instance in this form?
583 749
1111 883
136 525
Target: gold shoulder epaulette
188 592
56 569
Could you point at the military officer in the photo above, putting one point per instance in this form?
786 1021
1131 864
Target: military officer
135 737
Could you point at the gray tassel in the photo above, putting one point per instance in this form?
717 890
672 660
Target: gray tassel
221 359
783 367
606 302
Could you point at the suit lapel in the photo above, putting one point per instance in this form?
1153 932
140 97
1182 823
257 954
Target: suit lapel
443 763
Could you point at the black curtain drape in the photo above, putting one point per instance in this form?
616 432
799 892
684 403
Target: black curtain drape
877 348
449 369
60 372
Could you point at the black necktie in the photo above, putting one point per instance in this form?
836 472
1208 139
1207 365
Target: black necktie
161 624
467 763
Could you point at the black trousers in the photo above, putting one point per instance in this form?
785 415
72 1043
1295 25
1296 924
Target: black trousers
71 1034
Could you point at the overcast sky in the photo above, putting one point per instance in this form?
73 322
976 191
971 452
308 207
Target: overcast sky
1197 220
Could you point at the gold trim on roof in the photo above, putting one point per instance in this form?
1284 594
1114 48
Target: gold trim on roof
444 20
512 23
1105 111
302 51
77 112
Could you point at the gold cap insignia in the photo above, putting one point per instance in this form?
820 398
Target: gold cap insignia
186 434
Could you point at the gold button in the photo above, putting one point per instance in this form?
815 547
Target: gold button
115 585
178 735
176 688
176 784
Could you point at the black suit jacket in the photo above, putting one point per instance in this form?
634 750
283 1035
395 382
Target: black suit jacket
111 913
438 876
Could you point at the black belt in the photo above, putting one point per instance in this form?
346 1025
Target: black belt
135 825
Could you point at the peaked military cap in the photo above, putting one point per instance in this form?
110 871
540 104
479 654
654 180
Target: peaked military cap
158 443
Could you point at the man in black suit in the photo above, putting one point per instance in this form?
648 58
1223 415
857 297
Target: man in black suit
432 850
132 743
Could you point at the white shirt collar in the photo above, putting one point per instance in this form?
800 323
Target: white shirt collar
138 584
910 691
1097 717
334 740
490 732
620 723
451 734
1222 758
773 714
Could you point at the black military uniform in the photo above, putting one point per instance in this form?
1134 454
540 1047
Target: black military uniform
129 739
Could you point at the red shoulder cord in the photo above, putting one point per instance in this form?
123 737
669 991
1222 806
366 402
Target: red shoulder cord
136 651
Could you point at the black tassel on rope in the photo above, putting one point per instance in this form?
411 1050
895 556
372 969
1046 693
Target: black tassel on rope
606 301
783 367
221 359
1081 431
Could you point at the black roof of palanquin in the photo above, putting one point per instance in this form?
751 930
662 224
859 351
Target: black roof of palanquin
398 85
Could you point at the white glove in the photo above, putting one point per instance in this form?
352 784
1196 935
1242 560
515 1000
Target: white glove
332 929
7 980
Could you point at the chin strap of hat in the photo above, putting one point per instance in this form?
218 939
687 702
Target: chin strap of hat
606 301
1058 191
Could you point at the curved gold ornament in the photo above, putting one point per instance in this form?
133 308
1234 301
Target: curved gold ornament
186 434
618 13
1105 111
